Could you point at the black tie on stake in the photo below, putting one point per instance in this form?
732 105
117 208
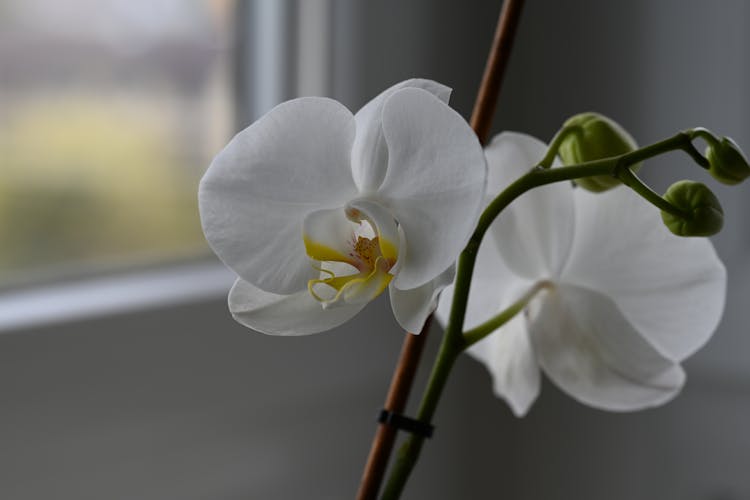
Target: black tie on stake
405 423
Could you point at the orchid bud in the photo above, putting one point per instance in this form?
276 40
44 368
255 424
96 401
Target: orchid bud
705 215
727 163
595 137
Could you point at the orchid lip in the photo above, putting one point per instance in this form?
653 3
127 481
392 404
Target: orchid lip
371 258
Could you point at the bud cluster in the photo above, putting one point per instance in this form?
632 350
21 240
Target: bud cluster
688 208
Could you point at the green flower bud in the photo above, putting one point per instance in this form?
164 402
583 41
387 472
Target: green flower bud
597 137
727 162
694 198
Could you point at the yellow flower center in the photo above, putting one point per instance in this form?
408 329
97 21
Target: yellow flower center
371 258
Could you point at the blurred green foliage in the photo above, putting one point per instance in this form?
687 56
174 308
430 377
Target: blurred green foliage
85 180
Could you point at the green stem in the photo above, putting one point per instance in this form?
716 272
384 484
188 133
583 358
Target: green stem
703 133
454 342
681 140
554 145
633 182
707 136
479 332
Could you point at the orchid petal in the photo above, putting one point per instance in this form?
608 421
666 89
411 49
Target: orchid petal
412 307
590 350
671 289
257 191
369 151
295 314
509 357
434 184
535 233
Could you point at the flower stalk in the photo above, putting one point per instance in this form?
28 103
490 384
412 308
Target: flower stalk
479 332
455 340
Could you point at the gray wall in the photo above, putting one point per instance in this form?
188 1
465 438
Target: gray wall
182 403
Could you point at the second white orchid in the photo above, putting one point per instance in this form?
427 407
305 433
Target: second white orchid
620 303
318 211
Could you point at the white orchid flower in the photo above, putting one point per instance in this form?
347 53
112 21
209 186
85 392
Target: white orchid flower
318 211
624 300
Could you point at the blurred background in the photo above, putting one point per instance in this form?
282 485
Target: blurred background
122 374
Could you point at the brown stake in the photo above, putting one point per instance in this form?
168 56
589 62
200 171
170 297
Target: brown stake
497 61
395 401
411 351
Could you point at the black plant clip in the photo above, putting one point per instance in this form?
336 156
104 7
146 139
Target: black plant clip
405 423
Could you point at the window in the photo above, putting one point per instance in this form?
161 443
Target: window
109 113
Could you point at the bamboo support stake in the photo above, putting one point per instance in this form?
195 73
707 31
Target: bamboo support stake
411 350
398 393
494 71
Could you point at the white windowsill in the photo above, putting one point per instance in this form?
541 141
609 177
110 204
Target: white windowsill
96 297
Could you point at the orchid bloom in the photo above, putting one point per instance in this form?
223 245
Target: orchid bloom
622 302
318 211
